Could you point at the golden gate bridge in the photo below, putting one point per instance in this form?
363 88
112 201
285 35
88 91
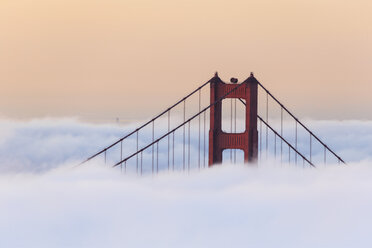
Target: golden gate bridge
180 139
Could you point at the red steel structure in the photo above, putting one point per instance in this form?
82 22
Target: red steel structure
219 140
137 159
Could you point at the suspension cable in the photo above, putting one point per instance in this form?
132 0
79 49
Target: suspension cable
183 124
144 125
297 120
289 145
281 137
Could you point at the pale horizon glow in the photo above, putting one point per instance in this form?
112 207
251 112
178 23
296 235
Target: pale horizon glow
96 60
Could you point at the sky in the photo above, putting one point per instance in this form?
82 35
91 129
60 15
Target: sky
95 60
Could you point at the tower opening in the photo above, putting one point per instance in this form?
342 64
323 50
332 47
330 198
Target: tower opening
233 156
233 115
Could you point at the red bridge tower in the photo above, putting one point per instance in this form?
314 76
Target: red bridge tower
219 140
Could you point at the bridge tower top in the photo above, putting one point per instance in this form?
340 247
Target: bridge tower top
247 140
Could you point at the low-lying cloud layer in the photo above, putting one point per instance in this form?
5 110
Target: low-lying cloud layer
41 145
226 206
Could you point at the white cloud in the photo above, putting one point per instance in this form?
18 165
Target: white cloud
236 206
40 145
233 206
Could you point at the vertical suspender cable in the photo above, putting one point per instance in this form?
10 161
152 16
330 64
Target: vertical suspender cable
141 163
260 140
157 157
325 155
184 119
275 146
296 145
234 127
267 121
281 134
204 139
105 156
168 138
121 154
125 166
310 146
152 162
231 125
188 149
173 153
137 153
199 129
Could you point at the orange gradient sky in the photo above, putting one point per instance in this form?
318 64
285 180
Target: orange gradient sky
99 59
